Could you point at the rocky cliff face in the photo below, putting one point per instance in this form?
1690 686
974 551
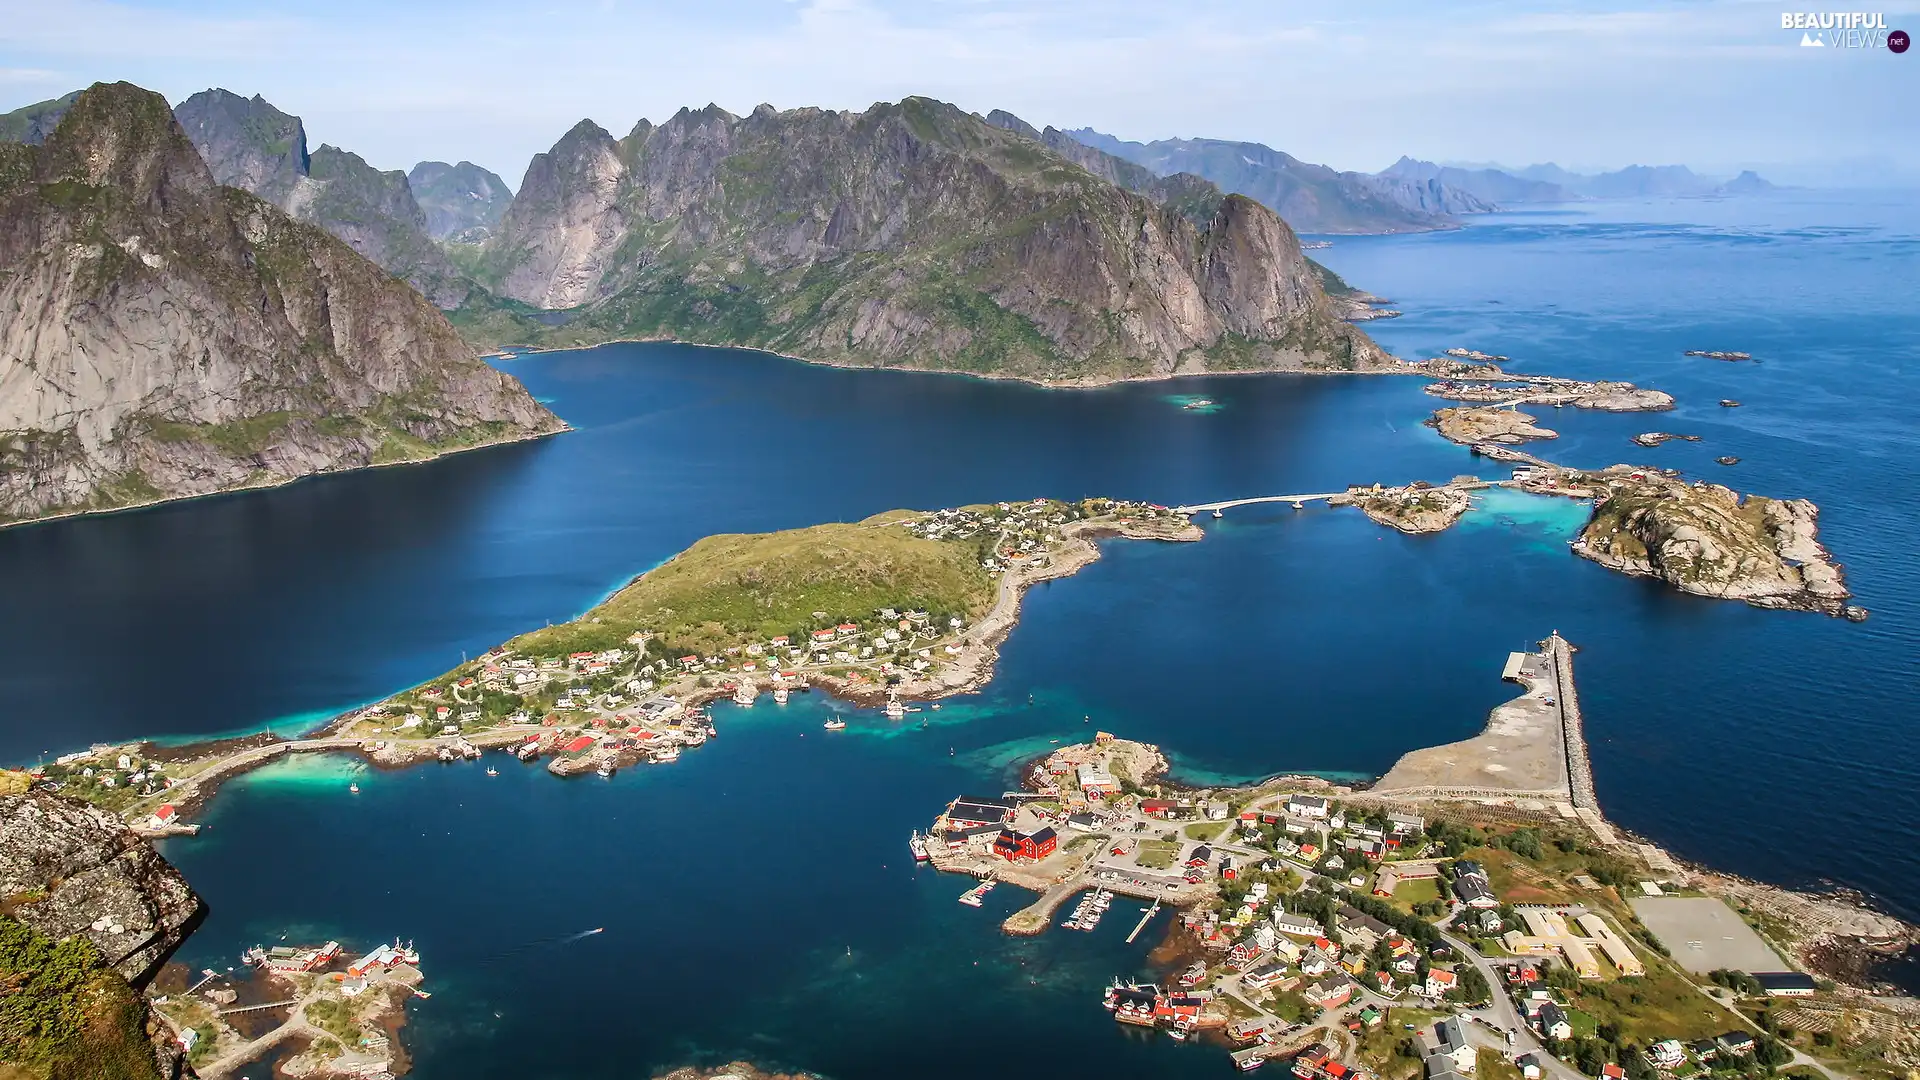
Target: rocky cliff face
249 144
912 234
462 202
69 869
1706 540
162 336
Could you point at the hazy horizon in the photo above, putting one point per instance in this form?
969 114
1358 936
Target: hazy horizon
1716 85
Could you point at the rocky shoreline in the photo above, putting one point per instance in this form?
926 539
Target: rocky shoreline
1472 427
1708 540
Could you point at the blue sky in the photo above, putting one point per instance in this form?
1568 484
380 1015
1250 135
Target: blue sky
1716 84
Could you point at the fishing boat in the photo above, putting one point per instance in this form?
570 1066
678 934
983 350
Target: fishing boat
491 771
355 788
918 845
744 694
605 769
1200 404
666 754
528 752
895 710
835 724
1250 1058
712 731
779 695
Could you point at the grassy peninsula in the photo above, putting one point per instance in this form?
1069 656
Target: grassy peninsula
736 589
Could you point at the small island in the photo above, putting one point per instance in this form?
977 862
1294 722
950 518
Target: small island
1713 355
1655 438
1419 507
1505 427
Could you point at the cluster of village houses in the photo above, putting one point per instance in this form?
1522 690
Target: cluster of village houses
103 774
1354 961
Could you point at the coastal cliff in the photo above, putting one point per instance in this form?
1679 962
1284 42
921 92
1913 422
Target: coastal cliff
908 235
72 870
162 336
1707 540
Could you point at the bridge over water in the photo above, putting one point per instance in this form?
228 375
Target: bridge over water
1297 500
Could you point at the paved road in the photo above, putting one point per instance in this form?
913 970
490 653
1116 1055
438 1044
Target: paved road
1502 1014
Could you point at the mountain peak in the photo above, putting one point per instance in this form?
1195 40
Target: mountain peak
121 136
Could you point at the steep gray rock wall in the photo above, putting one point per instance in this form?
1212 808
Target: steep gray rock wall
163 336
911 234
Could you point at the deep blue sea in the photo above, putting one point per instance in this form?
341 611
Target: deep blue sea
757 896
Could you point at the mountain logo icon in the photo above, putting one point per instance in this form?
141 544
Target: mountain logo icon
1808 41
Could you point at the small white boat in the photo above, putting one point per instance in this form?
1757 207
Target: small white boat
895 710
835 724
666 754
491 771
780 695
355 788
744 694
605 769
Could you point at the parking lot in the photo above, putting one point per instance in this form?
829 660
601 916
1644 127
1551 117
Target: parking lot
1704 934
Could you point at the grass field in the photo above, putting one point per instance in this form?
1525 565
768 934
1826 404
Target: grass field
1380 1046
1421 891
1659 1005
1157 854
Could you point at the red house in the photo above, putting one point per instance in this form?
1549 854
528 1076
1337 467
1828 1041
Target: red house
577 745
1156 807
1035 846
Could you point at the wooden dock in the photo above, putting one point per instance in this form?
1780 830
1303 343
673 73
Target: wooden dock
1144 920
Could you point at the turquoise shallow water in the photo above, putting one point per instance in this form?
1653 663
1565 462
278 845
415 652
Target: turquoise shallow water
766 872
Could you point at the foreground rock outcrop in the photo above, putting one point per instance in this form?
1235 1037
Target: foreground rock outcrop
911 234
68 869
163 336
1710 541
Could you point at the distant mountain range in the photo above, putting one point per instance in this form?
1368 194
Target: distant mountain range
1632 182
1312 198
1489 185
462 202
